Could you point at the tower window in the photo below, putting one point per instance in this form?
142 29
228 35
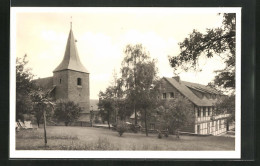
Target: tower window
79 81
60 80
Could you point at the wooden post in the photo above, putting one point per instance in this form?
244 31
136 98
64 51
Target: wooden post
44 121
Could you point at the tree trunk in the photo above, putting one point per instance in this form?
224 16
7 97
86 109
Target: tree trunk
145 123
108 123
38 123
177 133
135 115
44 123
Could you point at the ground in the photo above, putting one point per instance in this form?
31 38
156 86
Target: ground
87 138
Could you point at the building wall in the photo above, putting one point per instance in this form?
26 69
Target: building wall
167 88
60 80
203 123
67 88
76 93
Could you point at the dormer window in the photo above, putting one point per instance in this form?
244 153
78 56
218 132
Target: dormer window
171 95
79 82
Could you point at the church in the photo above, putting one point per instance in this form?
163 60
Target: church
70 81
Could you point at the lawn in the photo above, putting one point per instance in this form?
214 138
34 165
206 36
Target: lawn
87 138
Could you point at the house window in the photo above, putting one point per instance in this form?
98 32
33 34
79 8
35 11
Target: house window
164 95
79 81
220 124
216 125
208 111
198 112
60 80
172 95
204 111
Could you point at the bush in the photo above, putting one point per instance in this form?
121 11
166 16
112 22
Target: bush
133 128
121 127
159 134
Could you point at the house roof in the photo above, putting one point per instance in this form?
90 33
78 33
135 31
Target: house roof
45 83
182 87
202 88
71 59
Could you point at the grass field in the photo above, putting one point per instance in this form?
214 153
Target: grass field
87 138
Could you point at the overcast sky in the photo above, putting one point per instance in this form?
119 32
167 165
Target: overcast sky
102 34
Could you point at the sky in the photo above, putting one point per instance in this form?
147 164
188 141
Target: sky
103 33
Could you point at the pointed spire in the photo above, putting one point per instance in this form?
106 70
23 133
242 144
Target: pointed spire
71 59
71 22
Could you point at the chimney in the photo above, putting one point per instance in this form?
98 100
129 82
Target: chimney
177 78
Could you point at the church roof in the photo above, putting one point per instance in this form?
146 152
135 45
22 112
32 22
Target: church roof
71 59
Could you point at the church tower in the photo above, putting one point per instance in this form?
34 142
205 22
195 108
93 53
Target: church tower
71 79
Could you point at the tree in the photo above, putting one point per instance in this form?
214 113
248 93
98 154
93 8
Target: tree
139 75
67 111
226 105
134 54
24 86
106 104
42 102
176 113
215 42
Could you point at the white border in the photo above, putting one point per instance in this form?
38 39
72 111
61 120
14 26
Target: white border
125 154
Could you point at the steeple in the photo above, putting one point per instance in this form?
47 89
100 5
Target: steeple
71 59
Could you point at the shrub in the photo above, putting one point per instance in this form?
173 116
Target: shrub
133 128
159 134
121 127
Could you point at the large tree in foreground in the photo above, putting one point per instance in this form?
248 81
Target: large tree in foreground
24 86
215 42
42 102
139 75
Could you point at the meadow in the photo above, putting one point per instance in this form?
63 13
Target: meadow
88 138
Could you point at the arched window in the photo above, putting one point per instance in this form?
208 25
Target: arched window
79 82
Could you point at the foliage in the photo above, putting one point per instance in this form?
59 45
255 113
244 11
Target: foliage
175 114
24 86
133 128
159 134
106 104
219 41
139 75
42 102
67 111
226 105
121 127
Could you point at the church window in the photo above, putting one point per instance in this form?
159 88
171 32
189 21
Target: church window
172 95
79 81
